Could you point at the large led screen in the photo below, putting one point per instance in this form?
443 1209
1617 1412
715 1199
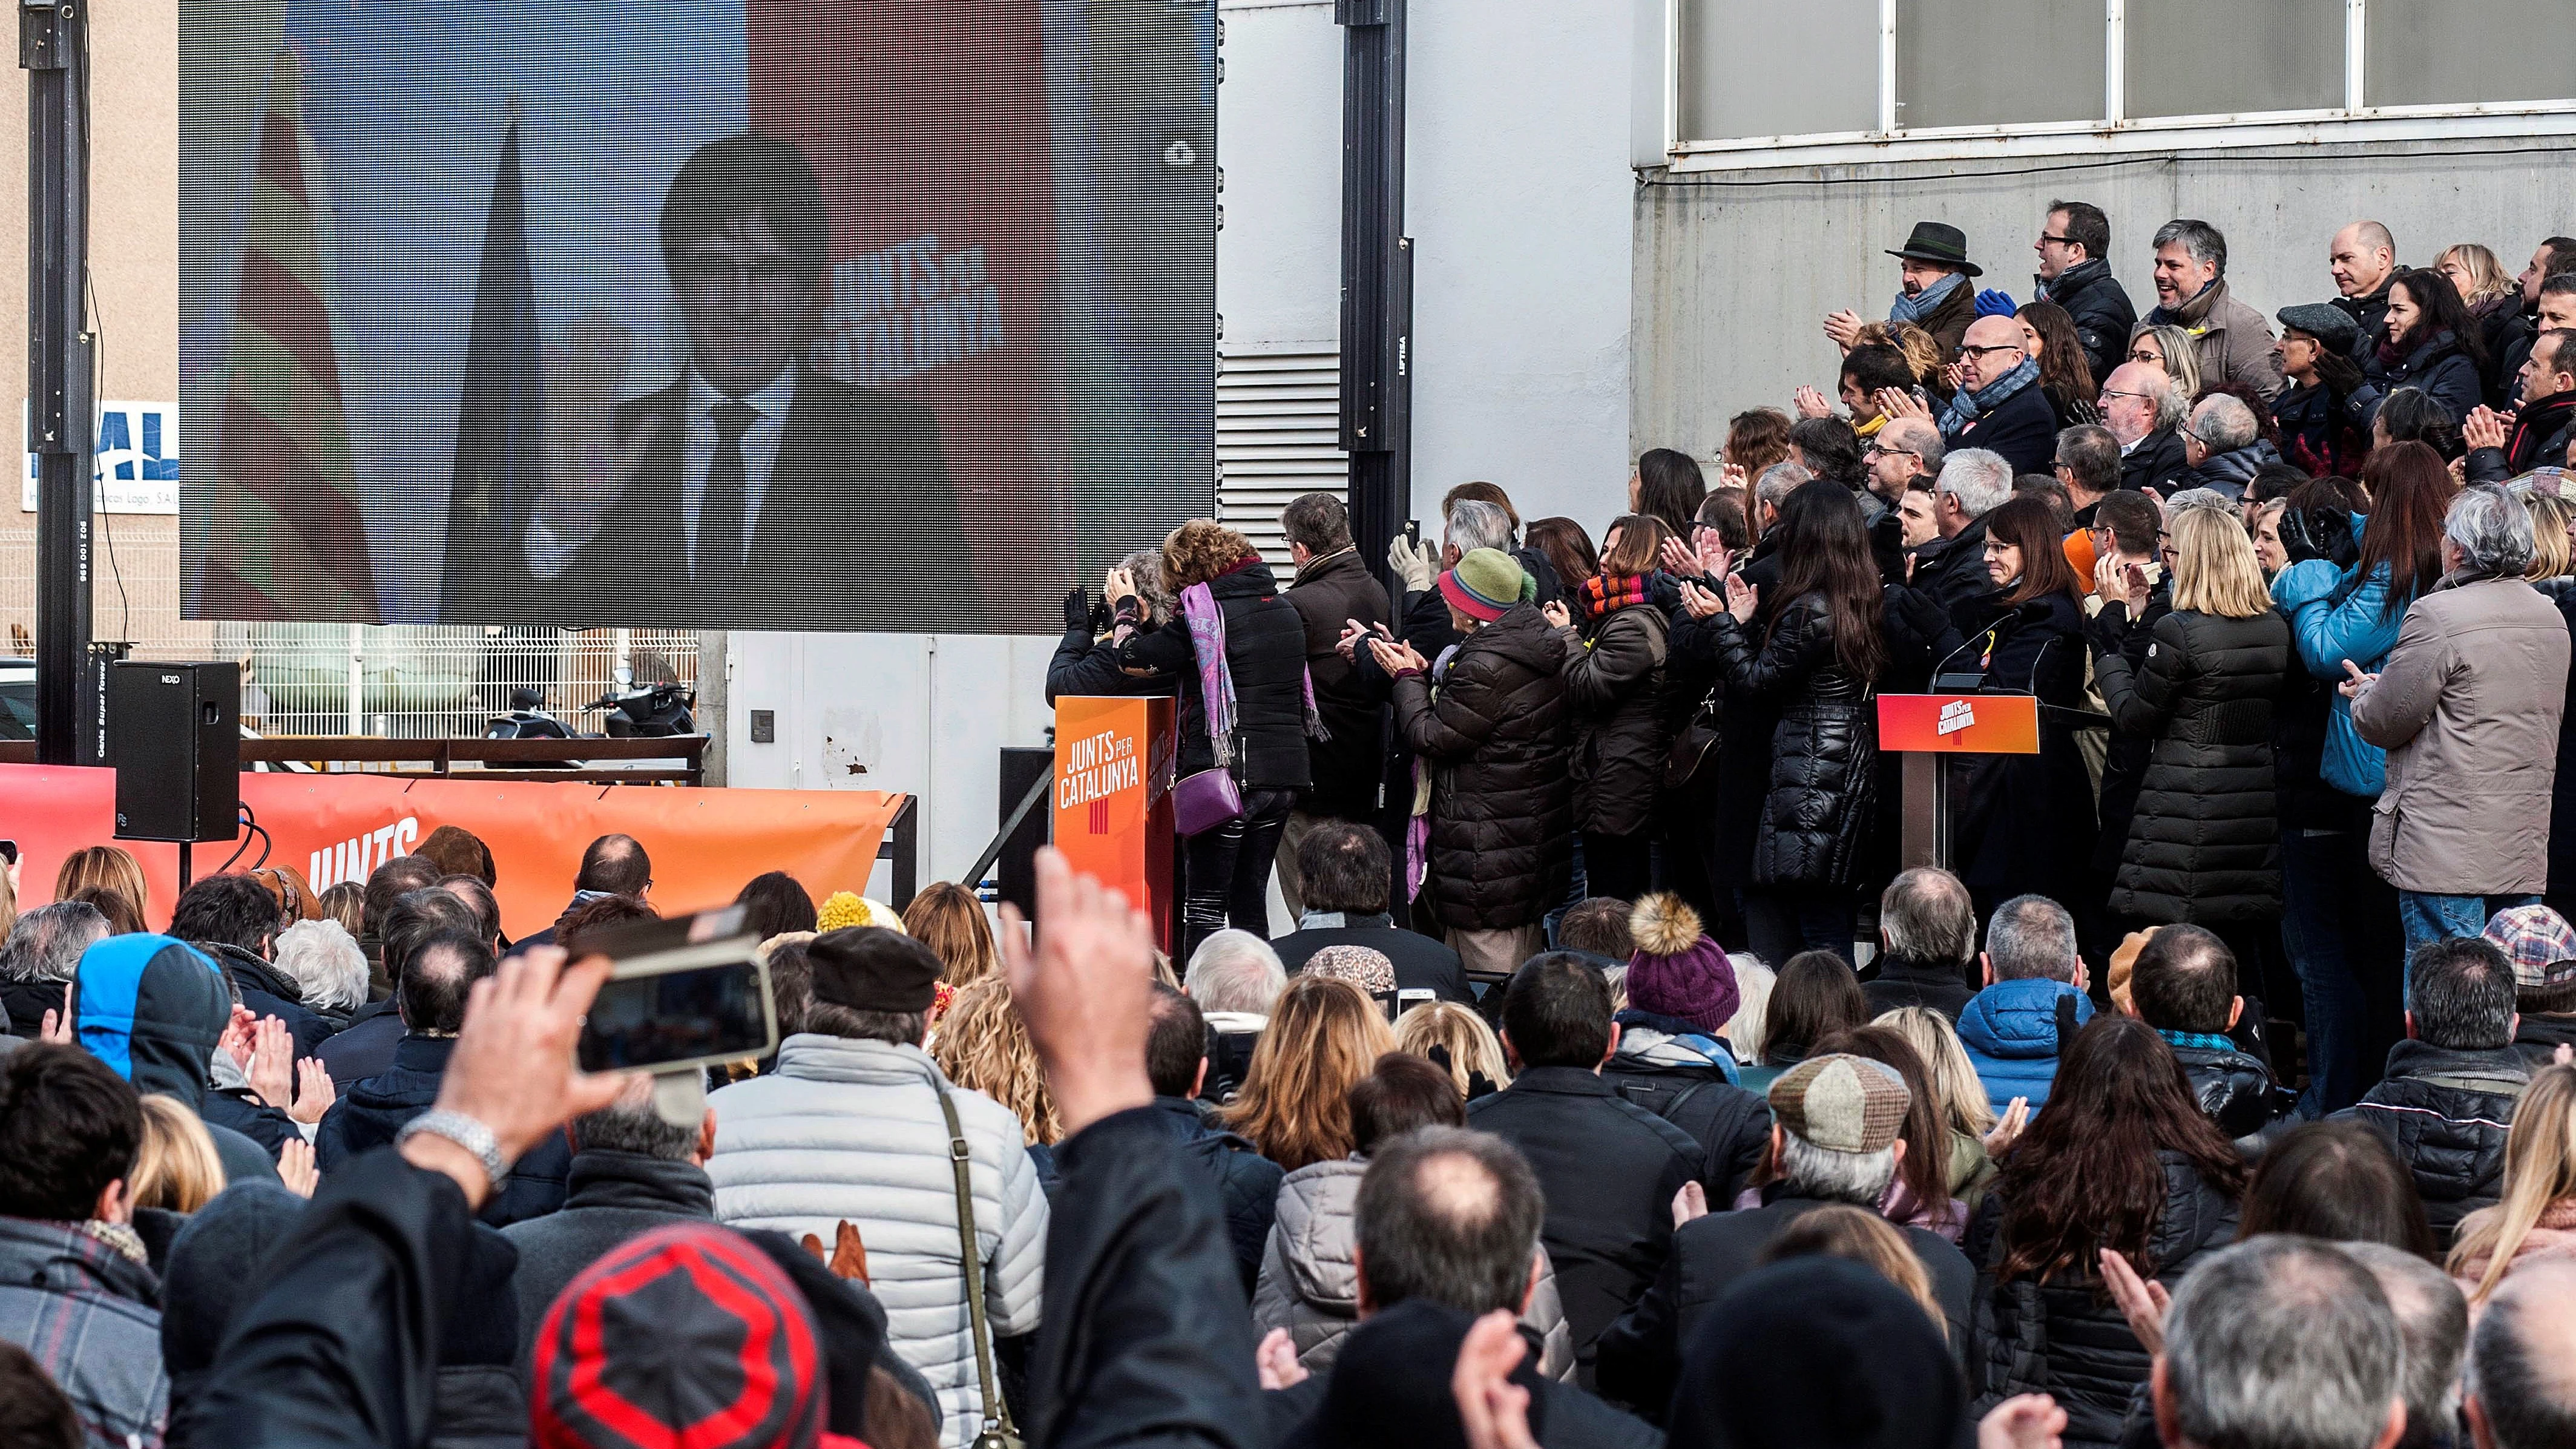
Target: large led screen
887 315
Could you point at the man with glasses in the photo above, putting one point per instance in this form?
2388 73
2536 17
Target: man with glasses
2144 410
1905 456
2074 249
2224 446
750 488
1999 405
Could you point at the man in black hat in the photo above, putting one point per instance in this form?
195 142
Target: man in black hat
1934 271
850 1129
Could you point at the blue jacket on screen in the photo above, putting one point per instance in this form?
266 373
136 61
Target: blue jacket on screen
2010 1031
2334 617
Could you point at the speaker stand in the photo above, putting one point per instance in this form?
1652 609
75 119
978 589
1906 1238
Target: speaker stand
184 849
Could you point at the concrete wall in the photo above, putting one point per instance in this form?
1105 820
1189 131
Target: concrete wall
1733 279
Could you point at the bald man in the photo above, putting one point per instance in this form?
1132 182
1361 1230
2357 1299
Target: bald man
1998 404
2361 258
2521 1388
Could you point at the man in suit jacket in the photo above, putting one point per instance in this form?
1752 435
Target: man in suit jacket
753 490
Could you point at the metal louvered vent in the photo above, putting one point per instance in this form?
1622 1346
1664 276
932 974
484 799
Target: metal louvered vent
1278 434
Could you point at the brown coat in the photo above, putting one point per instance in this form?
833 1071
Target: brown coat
2235 342
2467 706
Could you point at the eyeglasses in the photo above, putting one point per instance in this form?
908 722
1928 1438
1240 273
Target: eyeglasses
2063 241
1874 447
1964 353
2111 392
2142 354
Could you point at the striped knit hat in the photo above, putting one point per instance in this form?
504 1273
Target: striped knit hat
1486 583
687 1335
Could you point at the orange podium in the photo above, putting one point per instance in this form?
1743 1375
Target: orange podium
1924 728
1113 797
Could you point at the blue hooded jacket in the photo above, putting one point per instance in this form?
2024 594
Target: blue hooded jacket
153 1008
2335 616
2010 1031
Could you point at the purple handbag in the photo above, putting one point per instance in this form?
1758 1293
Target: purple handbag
1204 801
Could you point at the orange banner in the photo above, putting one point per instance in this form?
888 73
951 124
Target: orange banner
1113 797
1984 724
704 843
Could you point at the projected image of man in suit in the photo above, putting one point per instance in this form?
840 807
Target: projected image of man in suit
753 490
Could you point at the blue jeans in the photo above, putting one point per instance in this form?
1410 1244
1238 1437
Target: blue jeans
2429 918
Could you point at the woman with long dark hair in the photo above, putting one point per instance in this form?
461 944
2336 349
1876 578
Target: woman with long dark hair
1667 485
2065 375
2433 343
1812 652
1238 651
1567 549
2122 1161
2339 921
2026 823
1814 996
1614 689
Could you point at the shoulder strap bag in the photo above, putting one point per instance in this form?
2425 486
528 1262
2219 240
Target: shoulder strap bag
999 1432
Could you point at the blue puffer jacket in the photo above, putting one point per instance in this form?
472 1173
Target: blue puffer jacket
2334 617
2010 1031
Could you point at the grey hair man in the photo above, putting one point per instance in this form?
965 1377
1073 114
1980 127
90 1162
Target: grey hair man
2145 409
2284 1342
41 955
632 1172
1235 971
2034 985
1928 926
1974 482
1474 524
2520 1394
1773 489
2433 1320
1835 1121
2235 341
2223 446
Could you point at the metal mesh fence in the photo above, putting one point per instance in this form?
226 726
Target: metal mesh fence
401 682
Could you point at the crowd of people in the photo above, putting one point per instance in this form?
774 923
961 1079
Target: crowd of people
1611 1084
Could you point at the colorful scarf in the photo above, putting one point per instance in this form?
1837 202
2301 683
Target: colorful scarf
1926 302
1216 682
2207 1041
1606 594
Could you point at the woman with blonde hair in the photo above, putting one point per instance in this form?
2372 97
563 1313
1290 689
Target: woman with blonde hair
1476 1062
1323 1036
1958 1096
950 921
982 1044
175 1166
2494 300
2172 349
2535 1218
2204 841
2553 556
110 866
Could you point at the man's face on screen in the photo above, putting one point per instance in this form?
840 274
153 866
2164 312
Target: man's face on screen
747 304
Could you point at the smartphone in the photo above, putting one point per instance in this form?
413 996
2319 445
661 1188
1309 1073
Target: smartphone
1408 999
685 992
1413 532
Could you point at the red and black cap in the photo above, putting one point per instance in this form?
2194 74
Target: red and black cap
686 1336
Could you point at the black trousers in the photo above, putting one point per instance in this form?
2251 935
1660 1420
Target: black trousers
1227 871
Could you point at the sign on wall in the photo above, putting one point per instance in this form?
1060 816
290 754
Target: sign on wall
135 463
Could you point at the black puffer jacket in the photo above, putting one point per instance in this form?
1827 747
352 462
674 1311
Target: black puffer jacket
1265 649
2065 1337
1248 1181
2204 841
2444 371
2562 787
1823 789
2235 1090
1614 690
1497 741
2125 755
1346 763
2447 1113
2230 471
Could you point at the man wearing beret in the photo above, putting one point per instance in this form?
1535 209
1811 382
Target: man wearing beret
1834 1120
849 1129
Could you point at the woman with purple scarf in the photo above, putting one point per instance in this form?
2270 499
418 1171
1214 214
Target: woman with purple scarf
1238 651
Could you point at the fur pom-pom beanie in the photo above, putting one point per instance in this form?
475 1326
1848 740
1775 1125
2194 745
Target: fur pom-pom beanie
1678 971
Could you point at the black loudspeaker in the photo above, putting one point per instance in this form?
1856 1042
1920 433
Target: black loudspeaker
1015 869
174 734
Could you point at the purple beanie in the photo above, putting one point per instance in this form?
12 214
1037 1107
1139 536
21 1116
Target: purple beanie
1678 971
